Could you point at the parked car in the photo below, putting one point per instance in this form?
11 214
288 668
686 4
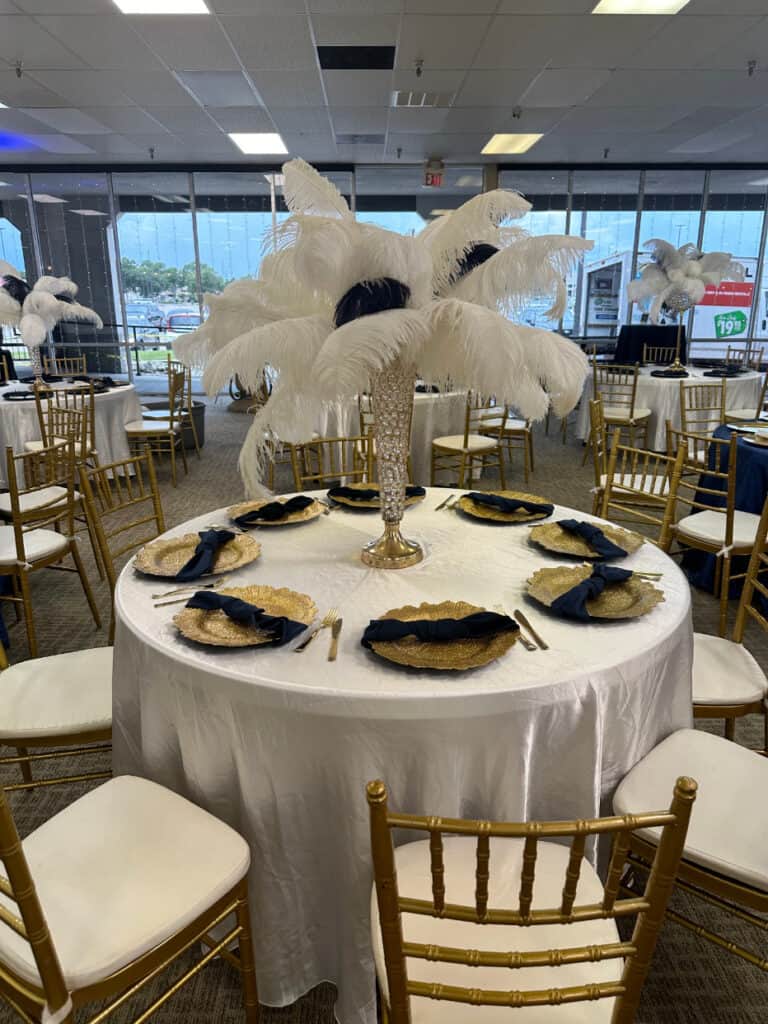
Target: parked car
180 321
144 318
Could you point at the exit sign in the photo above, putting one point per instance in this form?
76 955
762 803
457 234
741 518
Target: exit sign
433 179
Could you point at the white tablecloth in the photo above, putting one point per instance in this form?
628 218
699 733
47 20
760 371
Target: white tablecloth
434 415
280 745
662 397
115 408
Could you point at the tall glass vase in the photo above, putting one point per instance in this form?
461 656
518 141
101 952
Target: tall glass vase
36 359
393 390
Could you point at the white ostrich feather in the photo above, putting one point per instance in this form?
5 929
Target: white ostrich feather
34 330
559 364
305 190
325 253
56 286
717 267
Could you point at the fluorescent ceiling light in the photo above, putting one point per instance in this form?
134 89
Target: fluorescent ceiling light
759 182
259 143
438 213
640 6
89 213
162 6
43 197
518 142
3 106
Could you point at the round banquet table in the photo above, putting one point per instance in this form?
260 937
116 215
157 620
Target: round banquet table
114 408
280 745
662 396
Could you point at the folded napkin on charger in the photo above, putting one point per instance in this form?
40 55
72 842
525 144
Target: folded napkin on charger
509 504
440 631
279 629
594 536
573 603
19 396
205 554
370 493
273 511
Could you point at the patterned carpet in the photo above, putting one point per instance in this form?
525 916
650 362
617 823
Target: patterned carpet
690 982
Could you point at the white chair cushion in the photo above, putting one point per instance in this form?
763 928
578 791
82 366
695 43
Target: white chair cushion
36 499
509 424
656 485
119 871
57 696
37 446
729 822
709 526
620 413
149 426
725 672
506 859
475 443
38 544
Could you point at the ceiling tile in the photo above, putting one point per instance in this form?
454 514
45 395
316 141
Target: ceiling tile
714 140
431 79
151 88
440 41
684 42
620 119
26 92
563 88
716 7
697 88
257 7
289 88
494 88
461 145
419 120
355 6
302 119
63 144
450 6
126 119
358 88
749 45
184 120
68 120
272 41
363 30
23 39
360 119
546 6
73 6
219 88
114 145
81 88
16 121
107 41
241 119
193 43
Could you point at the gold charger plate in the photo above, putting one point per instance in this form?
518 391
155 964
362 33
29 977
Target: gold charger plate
552 537
626 600
167 557
452 657
466 504
375 503
216 629
302 516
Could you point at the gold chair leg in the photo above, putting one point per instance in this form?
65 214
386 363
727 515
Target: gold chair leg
462 469
529 439
432 470
183 451
26 767
501 470
247 966
173 465
85 584
29 621
730 728
724 588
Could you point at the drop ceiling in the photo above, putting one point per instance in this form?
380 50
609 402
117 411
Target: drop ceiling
98 86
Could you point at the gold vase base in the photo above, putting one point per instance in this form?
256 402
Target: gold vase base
675 369
392 550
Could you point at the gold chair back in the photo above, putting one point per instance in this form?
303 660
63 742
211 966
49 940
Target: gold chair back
58 416
659 355
640 486
702 407
616 384
483 417
598 439
754 358
636 953
716 457
65 366
325 460
5 369
754 595
30 475
83 399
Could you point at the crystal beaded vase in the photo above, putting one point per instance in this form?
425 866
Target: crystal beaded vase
37 363
393 390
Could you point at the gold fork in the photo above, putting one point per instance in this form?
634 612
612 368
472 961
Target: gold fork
327 620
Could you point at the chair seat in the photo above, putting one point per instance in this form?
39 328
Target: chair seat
35 499
150 427
475 443
709 527
119 871
62 695
38 544
414 880
620 414
725 672
511 426
742 414
730 820
37 446
653 485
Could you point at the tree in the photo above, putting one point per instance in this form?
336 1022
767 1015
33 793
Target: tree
151 278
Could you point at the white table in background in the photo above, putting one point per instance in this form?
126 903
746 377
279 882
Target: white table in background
115 408
662 396
280 745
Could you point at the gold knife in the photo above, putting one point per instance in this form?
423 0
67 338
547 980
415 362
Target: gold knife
519 615
334 648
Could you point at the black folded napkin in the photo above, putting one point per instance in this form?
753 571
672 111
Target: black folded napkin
440 631
723 372
370 493
273 511
427 389
670 374
205 554
594 536
573 603
47 378
19 396
509 504
281 630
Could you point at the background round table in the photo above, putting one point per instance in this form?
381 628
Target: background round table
662 396
114 408
280 745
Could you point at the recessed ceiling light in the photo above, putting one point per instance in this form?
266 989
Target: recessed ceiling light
259 143
438 213
3 106
162 6
89 213
640 6
43 197
517 142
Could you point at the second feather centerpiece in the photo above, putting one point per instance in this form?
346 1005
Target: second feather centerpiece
343 308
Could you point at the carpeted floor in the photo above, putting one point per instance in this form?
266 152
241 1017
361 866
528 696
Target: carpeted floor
691 982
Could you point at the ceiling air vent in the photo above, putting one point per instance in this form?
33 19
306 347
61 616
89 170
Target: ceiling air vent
359 139
356 58
416 98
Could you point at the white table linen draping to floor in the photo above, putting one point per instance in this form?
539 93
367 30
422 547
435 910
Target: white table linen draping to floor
662 396
280 745
115 408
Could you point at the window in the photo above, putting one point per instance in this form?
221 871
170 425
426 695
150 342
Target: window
396 198
15 241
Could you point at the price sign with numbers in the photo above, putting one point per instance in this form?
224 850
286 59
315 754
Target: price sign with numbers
729 325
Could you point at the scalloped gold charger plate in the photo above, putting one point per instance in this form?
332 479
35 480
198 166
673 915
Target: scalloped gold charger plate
375 503
468 506
216 629
628 600
304 515
552 537
166 557
456 656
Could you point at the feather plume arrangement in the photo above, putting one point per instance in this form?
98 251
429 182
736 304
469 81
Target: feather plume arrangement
678 277
37 310
339 300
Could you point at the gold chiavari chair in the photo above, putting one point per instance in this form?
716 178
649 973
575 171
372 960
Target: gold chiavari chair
40 532
65 366
122 502
658 355
558 894
754 359
640 487
164 437
5 370
599 447
60 414
516 435
753 414
702 407
185 408
484 425
723 863
617 386
706 494
111 891
326 460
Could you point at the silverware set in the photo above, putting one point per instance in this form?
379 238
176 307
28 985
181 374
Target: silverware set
331 620
188 591
531 639
450 502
